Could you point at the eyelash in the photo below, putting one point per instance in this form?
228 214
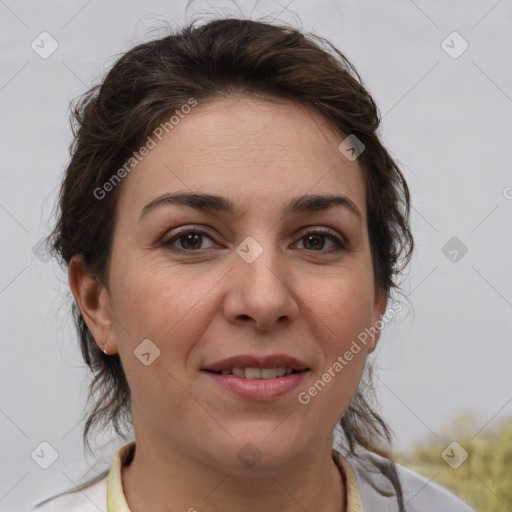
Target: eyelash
167 242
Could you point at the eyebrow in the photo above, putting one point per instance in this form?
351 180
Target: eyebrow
219 204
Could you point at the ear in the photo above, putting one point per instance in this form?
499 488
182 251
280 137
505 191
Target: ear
94 303
379 308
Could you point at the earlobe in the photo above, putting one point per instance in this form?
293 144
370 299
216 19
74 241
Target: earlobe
93 300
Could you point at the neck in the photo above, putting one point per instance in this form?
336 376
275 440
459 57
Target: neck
155 480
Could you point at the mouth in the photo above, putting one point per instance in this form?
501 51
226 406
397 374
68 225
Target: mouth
257 373
257 378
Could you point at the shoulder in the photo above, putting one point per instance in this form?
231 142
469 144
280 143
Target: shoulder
420 494
89 497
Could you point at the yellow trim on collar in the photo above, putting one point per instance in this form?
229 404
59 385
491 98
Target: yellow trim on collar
354 503
116 501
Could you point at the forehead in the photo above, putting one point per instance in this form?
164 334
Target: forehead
255 151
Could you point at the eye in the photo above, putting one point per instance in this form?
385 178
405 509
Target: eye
315 240
189 240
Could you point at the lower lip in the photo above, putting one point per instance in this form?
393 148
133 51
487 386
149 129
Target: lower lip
258 389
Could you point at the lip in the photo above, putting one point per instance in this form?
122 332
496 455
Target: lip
252 361
258 389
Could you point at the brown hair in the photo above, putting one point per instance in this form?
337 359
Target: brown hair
219 58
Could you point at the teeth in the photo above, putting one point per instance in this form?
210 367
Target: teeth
268 373
252 373
258 373
239 372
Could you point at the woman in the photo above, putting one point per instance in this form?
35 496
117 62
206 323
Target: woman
233 229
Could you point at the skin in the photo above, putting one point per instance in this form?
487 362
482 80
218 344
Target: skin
206 303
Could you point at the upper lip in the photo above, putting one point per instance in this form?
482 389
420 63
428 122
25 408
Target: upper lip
252 361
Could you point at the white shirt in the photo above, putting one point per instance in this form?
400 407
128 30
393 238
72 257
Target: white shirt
363 482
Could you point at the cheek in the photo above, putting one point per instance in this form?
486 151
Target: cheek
170 313
342 308
341 313
155 301
161 303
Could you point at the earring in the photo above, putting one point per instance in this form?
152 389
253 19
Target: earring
105 349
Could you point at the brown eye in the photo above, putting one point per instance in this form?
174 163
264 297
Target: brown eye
192 241
189 240
316 241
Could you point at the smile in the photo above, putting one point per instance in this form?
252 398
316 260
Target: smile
258 373
261 384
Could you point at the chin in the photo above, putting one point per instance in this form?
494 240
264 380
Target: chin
250 453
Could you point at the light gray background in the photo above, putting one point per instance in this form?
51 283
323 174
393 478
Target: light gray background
448 123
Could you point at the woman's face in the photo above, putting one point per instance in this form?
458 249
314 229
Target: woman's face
195 288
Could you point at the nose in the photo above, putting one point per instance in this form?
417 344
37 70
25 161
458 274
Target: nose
260 293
